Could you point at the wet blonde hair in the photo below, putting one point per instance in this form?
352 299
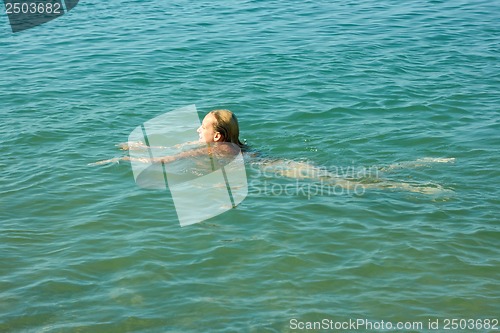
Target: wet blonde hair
227 125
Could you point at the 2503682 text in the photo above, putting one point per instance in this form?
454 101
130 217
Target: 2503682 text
470 324
32 8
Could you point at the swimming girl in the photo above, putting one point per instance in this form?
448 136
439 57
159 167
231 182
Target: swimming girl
219 136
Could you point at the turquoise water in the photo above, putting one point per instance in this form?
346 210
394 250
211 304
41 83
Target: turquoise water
365 84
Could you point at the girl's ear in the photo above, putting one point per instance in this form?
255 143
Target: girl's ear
217 136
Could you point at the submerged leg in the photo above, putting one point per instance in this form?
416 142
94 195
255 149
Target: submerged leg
367 180
421 162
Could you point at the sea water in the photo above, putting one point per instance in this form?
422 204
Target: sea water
390 86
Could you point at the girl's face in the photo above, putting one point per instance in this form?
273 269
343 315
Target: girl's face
206 130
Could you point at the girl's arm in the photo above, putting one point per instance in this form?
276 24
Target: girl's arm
164 159
139 145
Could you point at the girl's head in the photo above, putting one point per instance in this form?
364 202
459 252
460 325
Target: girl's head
220 126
